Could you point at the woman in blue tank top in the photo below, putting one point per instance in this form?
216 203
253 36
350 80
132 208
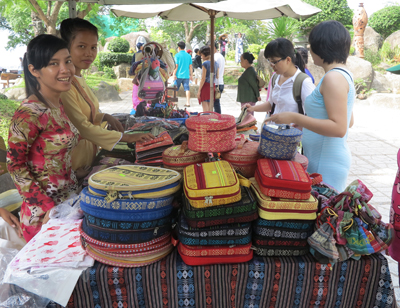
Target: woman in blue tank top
329 108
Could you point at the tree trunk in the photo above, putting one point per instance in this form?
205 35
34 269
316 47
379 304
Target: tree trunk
38 27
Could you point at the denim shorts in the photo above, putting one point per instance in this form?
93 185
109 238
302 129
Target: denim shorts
184 82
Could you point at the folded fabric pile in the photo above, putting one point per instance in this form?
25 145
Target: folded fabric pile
149 153
246 121
214 226
128 214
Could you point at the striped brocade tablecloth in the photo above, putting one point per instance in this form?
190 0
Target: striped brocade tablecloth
263 282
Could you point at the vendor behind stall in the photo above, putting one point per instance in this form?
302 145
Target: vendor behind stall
41 136
81 105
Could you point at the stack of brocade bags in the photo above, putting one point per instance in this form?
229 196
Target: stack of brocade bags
128 214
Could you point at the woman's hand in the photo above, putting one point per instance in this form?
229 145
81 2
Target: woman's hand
82 172
113 122
283 118
259 98
140 137
11 220
198 94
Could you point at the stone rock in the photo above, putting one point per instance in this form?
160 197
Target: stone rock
105 92
361 69
125 84
381 83
388 100
263 65
16 93
394 82
132 37
394 39
6 183
182 92
120 70
372 39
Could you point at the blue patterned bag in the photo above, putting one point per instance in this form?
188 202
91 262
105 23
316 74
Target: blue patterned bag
279 141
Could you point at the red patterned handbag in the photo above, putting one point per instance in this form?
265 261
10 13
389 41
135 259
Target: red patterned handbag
283 179
211 132
223 254
243 157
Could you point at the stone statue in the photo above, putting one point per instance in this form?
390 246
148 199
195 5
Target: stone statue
360 20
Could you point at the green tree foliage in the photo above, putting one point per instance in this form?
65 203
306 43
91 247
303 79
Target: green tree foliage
255 49
331 10
118 44
285 27
109 59
386 21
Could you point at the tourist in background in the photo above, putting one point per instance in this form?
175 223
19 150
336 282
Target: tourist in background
248 93
203 93
223 44
239 47
304 54
197 65
220 78
183 70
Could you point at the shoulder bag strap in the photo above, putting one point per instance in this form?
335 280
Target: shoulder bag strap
274 78
297 85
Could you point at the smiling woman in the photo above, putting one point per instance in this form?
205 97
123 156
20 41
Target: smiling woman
41 136
81 105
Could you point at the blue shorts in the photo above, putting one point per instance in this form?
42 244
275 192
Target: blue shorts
184 82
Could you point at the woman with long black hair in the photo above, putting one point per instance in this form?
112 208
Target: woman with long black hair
41 136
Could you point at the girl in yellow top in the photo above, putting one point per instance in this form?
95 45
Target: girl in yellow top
80 103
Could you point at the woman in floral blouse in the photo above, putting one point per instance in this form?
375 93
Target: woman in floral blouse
41 136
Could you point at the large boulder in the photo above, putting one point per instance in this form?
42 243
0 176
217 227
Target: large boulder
16 93
125 84
394 39
132 37
120 70
394 82
106 93
381 84
361 69
372 39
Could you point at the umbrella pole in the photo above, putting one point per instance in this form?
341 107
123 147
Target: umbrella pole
212 47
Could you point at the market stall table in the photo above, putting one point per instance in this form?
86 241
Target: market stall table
262 282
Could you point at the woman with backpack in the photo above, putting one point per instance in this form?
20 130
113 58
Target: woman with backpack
248 92
81 105
329 107
288 66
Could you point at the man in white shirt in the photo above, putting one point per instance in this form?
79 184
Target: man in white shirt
220 78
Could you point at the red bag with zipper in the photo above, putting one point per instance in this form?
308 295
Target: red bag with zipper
211 132
283 179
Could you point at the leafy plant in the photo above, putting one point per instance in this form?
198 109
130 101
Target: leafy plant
119 44
285 27
159 36
255 49
386 21
330 10
110 59
109 73
230 56
173 51
7 109
372 56
387 53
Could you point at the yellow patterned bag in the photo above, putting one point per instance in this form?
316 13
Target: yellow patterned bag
279 209
212 183
134 182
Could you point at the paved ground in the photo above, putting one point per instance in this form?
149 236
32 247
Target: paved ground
373 140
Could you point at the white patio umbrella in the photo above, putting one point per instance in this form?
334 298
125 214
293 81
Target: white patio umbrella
240 9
